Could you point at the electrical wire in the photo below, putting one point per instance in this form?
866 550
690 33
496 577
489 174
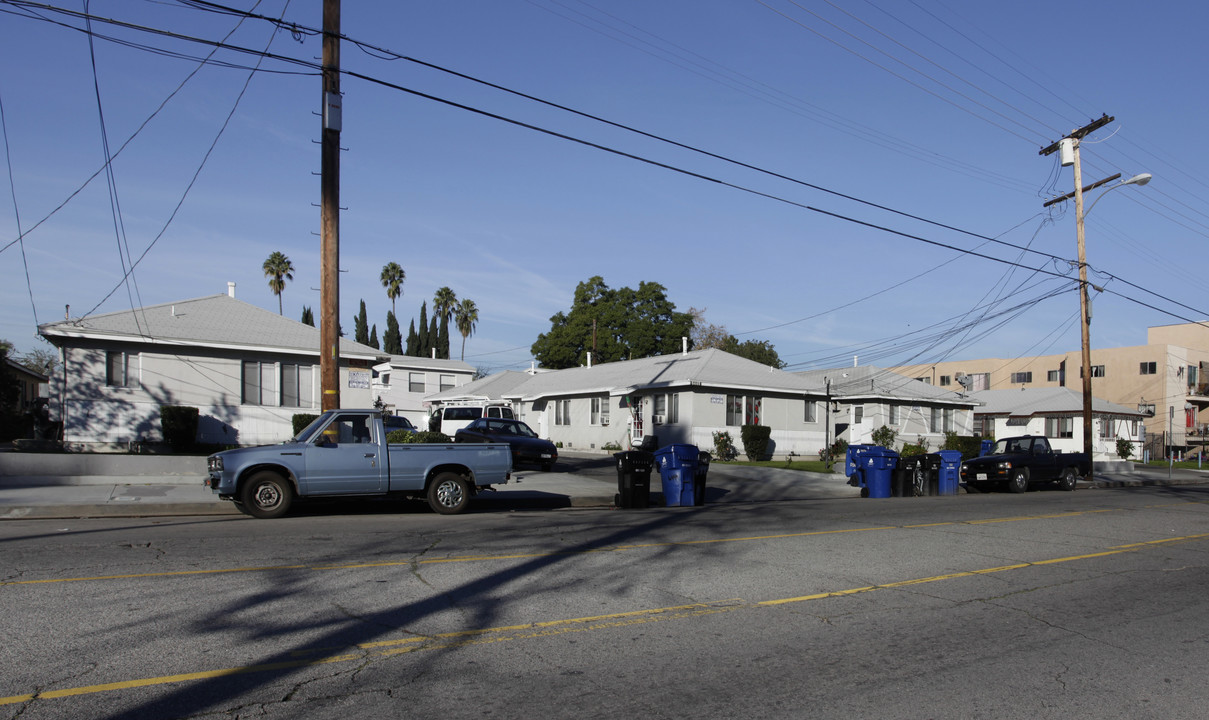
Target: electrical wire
8 159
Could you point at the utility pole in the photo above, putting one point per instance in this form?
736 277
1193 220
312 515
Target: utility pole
329 213
1070 144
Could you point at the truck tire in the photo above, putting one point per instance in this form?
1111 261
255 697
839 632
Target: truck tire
266 495
448 494
1018 483
1068 479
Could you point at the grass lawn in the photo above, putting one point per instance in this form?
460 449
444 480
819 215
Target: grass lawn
817 466
1184 465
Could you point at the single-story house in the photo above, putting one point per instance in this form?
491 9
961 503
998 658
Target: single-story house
246 369
400 384
683 398
31 384
863 399
1057 413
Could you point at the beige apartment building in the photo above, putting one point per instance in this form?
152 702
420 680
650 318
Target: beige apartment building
1166 379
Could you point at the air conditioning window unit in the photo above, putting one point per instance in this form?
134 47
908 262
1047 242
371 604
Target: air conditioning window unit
657 419
604 419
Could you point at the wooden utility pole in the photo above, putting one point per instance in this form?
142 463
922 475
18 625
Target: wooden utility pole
1085 318
329 290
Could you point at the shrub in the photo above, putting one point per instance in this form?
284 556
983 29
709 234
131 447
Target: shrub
1124 448
969 445
755 441
838 449
611 447
884 437
397 437
301 420
179 424
724 446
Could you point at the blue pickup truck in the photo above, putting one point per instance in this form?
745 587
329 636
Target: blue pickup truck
345 452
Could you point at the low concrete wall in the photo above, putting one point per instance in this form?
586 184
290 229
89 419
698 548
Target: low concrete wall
79 464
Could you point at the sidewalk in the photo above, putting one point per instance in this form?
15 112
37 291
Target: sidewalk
144 495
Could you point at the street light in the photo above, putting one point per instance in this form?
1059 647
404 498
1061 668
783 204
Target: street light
1139 179
1085 324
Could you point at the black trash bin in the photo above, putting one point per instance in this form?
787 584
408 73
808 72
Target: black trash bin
699 478
634 479
933 462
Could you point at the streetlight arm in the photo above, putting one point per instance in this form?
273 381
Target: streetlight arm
1139 179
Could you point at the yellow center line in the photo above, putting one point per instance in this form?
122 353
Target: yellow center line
528 556
528 631
388 648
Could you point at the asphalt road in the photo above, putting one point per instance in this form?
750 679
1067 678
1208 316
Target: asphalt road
1046 604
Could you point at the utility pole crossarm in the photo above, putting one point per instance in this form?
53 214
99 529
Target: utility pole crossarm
1071 194
1079 134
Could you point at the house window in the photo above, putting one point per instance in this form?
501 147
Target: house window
812 411
1147 368
982 425
894 415
925 379
667 407
447 382
297 386
600 411
562 412
1060 427
1053 375
1096 371
743 410
258 382
946 380
1106 429
1022 378
1192 376
858 414
948 419
415 382
120 369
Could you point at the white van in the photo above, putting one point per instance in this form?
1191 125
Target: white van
450 418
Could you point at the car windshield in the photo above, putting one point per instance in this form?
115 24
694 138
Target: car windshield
523 430
1011 446
309 430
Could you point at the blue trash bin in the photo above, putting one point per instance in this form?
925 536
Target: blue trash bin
677 471
854 468
878 464
950 472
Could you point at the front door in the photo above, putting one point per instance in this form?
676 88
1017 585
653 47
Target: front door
343 458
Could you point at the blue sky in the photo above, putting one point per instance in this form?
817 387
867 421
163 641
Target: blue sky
933 108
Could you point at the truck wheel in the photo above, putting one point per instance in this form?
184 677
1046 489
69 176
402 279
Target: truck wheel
1019 481
266 495
1068 479
448 494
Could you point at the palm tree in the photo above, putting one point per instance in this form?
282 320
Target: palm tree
444 303
392 279
466 315
278 269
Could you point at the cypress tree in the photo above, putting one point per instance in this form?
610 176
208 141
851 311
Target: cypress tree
392 341
425 340
373 337
413 340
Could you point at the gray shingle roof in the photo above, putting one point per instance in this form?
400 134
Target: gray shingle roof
1045 401
711 368
213 321
854 383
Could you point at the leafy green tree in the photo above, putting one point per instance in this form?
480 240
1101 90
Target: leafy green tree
443 304
278 269
392 279
308 317
466 316
614 325
413 340
760 351
373 337
422 345
392 341
361 326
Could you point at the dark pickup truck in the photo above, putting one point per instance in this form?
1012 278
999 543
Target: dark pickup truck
1022 461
